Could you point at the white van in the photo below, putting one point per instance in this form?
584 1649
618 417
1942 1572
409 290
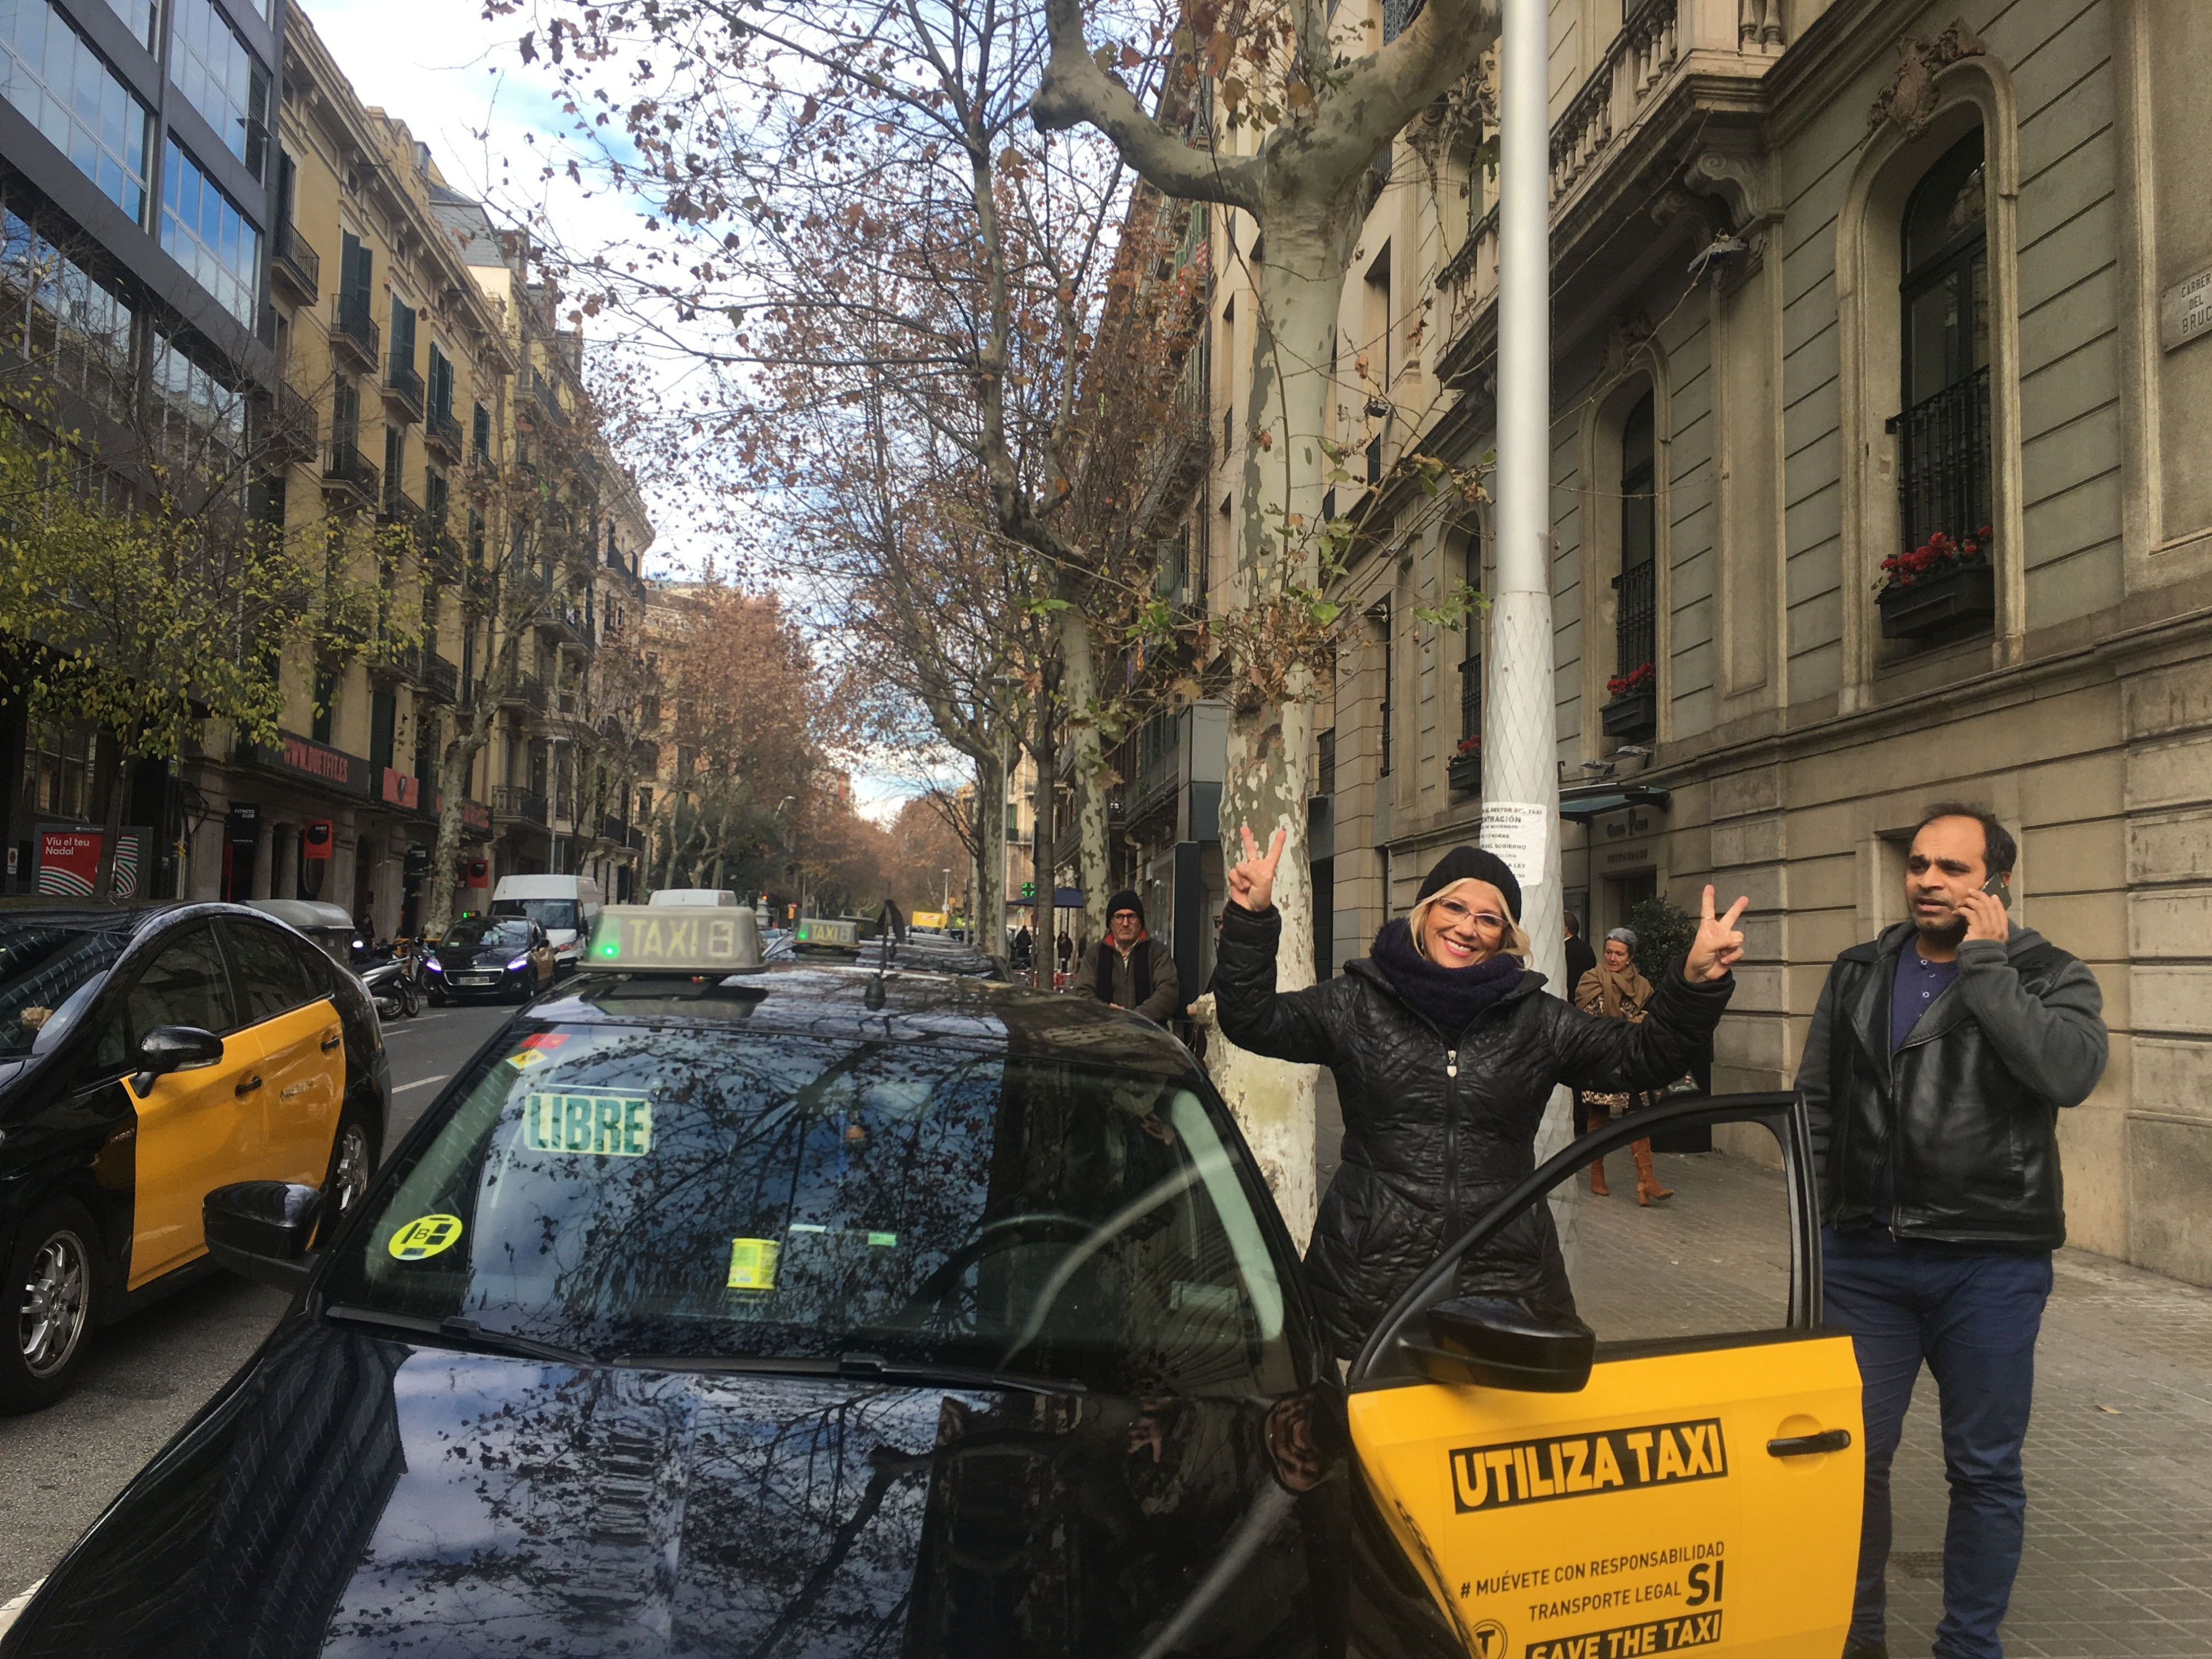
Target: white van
720 897
565 907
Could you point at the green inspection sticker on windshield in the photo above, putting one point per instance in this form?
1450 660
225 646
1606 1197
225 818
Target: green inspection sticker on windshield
604 1126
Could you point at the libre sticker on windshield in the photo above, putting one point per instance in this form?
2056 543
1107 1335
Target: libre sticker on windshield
1535 1471
609 1126
753 1264
425 1235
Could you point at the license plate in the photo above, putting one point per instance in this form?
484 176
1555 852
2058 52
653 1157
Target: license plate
477 979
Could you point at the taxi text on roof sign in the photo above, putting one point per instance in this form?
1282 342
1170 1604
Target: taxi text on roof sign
637 939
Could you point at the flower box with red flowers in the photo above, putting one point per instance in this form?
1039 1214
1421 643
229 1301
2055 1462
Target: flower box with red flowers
1464 774
1936 585
1633 710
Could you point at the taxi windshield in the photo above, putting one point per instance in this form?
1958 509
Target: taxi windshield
710 1194
42 965
480 931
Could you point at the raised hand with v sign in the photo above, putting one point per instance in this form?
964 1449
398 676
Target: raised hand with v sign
1252 881
1717 945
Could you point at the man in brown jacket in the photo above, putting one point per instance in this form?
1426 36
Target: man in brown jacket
1130 968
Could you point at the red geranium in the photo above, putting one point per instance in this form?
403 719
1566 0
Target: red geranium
1933 558
1471 744
1641 677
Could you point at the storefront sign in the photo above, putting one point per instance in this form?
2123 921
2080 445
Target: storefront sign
242 824
397 789
317 841
69 860
476 816
299 757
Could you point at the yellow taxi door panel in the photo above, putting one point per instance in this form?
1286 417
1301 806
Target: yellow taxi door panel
1643 1514
301 1084
197 1131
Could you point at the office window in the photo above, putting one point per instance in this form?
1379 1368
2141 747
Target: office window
198 408
138 15
203 230
63 763
62 317
66 90
221 79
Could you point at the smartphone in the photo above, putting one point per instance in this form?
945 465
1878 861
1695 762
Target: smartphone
1999 890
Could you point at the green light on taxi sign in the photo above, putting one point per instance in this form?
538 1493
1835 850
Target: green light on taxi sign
637 939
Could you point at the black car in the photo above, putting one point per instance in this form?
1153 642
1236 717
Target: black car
148 1055
507 958
810 1310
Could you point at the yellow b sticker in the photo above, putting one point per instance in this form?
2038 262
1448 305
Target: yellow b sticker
753 1264
425 1235
611 1125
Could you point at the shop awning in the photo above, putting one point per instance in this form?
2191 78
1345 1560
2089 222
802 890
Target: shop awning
1585 801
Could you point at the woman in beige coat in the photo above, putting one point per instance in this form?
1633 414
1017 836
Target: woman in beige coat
1614 990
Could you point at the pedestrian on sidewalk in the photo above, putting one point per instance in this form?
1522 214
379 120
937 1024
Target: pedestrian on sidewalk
1446 1049
1939 1058
1614 989
1130 968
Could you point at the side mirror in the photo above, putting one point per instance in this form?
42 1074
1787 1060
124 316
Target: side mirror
260 1230
168 1048
1498 1344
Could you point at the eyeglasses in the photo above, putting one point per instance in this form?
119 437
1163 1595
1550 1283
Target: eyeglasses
1458 912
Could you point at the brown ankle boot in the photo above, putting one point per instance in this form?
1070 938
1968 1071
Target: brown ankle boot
1647 1182
1596 1120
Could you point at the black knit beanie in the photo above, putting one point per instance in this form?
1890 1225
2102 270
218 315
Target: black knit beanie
1126 899
1472 864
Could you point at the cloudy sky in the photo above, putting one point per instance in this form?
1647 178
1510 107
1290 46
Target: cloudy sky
461 87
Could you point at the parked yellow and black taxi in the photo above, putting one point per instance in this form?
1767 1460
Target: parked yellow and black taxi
147 1056
723 1306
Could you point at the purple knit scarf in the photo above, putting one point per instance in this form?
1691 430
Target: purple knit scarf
1449 997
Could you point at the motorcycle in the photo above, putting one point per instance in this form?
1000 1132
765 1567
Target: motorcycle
392 983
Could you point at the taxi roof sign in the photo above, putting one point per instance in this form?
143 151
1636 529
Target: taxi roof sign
637 939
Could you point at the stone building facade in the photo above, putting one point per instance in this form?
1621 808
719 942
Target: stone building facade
1831 277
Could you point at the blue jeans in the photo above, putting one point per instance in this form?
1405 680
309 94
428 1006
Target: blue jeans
1972 1316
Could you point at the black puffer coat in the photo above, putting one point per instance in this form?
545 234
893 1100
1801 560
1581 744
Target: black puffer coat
1438 1125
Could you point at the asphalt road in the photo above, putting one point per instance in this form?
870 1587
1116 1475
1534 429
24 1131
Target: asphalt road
145 1376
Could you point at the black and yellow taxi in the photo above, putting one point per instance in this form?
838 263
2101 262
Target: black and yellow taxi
724 1306
148 1056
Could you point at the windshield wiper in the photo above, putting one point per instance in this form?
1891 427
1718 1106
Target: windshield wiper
464 1333
867 1366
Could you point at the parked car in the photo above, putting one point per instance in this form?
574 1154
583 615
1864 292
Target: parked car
147 1056
508 958
565 907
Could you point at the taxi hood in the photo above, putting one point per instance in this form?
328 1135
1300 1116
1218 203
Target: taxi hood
353 1495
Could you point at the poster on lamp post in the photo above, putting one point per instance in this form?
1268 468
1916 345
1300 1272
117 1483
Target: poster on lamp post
68 859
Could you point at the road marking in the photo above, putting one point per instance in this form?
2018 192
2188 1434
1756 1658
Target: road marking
421 1083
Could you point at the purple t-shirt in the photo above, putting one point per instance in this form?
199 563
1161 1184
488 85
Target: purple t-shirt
1919 982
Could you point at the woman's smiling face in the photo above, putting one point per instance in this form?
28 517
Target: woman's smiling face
1463 924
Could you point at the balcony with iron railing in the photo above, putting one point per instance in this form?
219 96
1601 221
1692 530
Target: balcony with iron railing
1662 48
439 678
441 434
399 509
355 333
297 268
511 800
1943 463
524 691
403 389
348 472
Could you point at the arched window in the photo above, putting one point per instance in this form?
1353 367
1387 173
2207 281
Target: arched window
1635 593
1943 434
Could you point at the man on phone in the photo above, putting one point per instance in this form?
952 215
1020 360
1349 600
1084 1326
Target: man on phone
1939 1058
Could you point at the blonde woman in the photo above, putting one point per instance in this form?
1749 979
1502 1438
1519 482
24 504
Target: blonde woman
1616 990
1446 1049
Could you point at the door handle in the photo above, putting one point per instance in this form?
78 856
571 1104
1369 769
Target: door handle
1809 1445
248 1086
332 1039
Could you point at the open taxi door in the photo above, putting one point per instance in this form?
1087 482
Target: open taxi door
1674 1466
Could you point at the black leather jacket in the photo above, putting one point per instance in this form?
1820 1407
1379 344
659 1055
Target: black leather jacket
1966 1114
1438 1125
